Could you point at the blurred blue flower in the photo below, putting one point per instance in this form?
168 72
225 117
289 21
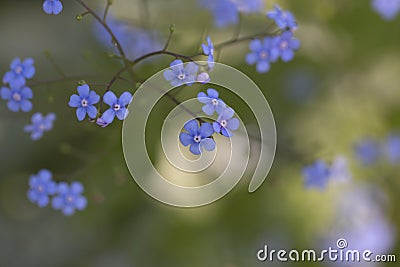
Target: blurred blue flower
134 41
84 102
208 50
211 101
197 137
40 124
117 106
69 198
249 6
262 54
52 7
20 71
179 73
339 170
226 123
393 148
283 19
18 98
367 151
286 45
388 9
41 187
316 175
300 84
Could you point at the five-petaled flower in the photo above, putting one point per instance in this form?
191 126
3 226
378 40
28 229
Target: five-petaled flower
69 198
117 106
197 137
18 98
226 123
40 124
286 45
263 52
208 50
212 102
41 187
283 19
316 175
179 74
52 7
84 102
19 72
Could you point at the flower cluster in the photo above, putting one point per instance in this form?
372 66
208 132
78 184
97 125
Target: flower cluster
66 198
318 174
17 93
283 19
388 9
40 124
368 151
52 7
86 99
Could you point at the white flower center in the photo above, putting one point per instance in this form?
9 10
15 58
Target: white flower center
263 54
18 70
41 127
214 102
117 107
224 123
40 188
70 199
84 103
197 139
17 97
284 45
181 76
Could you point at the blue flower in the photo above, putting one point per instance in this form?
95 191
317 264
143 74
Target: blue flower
225 12
69 198
40 125
179 74
52 7
367 151
117 106
84 102
339 170
20 71
286 45
284 19
41 187
208 50
226 123
316 175
211 101
393 148
197 138
388 9
262 54
18 98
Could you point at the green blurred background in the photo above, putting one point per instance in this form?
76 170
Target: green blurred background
343 85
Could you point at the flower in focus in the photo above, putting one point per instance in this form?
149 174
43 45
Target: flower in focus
226 123
262 54
40 124
388 9
18 98
117 106
19 72
84 102
197 137
211 101
179 74
41 187
69 198
283 19
52 7
208 50
286 45
316 175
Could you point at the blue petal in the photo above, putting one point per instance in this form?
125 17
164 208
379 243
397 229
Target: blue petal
287 55
28 128
32 195
294 44
195 148
76 188
13 106
108 115
176 62
206 130
91 111
203 98
9 76
68 211
208 109
93 98
251 58
169 75
263 66
125 98
57 7
42 201
80 203
225 132
37 118
110 98
26 93
62 188
45 175
47 7
208 144
220 107
212 93
83 90
192 127
80 113
226 114
217 127
206 50
122 113
29 71
26 105
5 93
186 139
256 45
36 135
15 63
74 101
233 124
191 68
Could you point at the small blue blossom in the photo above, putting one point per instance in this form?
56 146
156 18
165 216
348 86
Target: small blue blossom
211 101
388 9
69 198
262 54
393 148
208 50
40 124
286 45
179 74
19 72
117 106
18 98
197 137
100 122
41 187
226 123
316 175
283 19
52 7
84 102
367 151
